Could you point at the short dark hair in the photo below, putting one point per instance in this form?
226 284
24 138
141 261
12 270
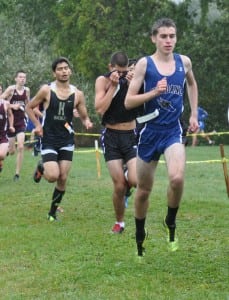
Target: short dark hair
20 71
120 59
132 61
163 22
59 60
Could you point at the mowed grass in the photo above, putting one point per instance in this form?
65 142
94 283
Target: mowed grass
78 258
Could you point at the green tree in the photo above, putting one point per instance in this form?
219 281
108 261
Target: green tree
20 49
87 32
92 30
207 44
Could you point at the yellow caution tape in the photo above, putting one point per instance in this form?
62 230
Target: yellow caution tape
207 133
188 134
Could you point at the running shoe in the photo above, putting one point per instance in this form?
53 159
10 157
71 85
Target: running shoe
35 152
38 172
51 218
171 237
141 245
16 177
117 228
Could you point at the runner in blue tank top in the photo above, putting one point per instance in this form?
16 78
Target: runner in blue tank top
164 75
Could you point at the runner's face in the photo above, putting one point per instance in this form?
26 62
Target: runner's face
121 71
20 79
62 72
165 40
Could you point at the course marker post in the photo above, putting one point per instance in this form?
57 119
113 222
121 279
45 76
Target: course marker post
97 155
224 163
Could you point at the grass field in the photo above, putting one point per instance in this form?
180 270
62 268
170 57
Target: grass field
78 258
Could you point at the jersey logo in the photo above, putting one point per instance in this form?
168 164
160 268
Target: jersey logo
166 105
61 115
61 109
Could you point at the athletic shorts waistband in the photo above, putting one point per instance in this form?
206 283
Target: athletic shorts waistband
164 126
119 131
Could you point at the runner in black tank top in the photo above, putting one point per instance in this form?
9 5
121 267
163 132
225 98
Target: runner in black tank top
57 115
59 99
119 135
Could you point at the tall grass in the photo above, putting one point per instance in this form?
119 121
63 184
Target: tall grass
78 257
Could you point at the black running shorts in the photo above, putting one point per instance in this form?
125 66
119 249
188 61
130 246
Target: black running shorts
119 144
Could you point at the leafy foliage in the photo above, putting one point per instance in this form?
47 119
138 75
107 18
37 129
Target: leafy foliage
21 49
208 49
88 32
102 27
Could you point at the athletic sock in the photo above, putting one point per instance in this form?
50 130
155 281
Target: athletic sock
56 199
171 216
122 224
140 230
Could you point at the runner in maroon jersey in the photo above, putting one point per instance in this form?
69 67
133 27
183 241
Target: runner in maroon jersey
5 115
18 95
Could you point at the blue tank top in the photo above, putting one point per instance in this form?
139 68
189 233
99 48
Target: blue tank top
169 103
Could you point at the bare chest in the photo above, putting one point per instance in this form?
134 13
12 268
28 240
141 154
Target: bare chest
166 68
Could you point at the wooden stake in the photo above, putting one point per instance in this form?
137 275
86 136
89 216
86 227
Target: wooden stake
224 163
97 155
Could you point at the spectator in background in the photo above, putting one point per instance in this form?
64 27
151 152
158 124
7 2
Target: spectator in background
202 116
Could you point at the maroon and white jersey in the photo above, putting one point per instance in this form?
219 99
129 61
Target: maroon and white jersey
3 123
19 115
